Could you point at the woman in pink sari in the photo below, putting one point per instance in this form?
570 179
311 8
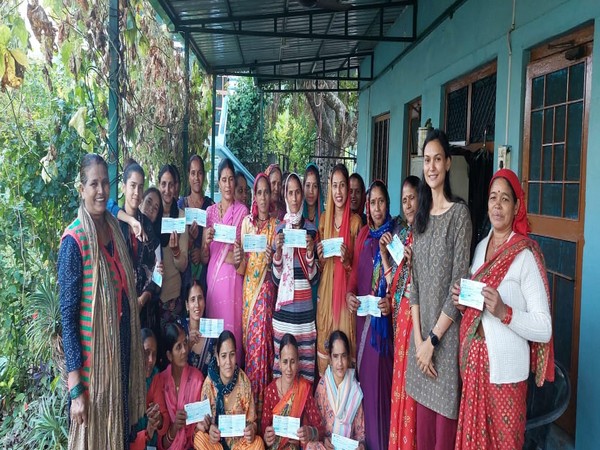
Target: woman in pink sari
180 384
224 283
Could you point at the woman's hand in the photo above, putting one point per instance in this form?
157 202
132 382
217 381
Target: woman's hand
154 419
137 228
195 337
320 250
238 253
269 436
180 418
493 302
310 246
210 235
424 356
455 294
160 268
250 432
344 257
214 434
269 255
279 245
327 443
352 302
304 434
385 239
174 243
204 424
79 410
408 255
193 230
384 305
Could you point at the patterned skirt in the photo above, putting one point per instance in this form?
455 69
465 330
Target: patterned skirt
491 416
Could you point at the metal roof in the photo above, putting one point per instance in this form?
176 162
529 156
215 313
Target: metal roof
282 40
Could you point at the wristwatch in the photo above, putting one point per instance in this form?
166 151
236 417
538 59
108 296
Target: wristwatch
434 339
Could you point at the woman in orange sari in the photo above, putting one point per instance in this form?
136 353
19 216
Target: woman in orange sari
499 345
337 221
403 408
291 395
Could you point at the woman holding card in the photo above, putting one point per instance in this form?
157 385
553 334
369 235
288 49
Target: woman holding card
141 251
337 221
339 396
228 390
291 396
153 425
180 384
259 293
440 257
100 324
403 407
174 249
224 283
200 347
375 335
196 271
295 271
496 344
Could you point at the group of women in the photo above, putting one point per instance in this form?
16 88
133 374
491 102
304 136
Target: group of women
425 372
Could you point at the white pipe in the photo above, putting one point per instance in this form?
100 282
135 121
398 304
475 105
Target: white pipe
509 43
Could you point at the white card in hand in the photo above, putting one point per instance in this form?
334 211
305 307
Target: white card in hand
396 249
197 411
211 328
168 225
368 306
225 233
470 294
286 426
195 215
295 238
232 425
343 443
332 247
157 277
255 243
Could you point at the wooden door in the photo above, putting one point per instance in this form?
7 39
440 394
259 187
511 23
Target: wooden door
554 159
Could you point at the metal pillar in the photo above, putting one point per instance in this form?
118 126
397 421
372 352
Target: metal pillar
113 99
261 123
185 132
214 137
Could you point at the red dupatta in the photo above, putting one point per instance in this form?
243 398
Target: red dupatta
492 273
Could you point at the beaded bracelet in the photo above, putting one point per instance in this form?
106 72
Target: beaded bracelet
76 391
508 316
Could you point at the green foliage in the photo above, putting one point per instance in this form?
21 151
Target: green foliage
243 126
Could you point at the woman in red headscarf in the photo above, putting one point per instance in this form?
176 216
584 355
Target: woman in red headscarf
499 345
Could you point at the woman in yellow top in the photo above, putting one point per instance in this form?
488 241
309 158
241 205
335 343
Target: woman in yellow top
259 293
337 221
228 390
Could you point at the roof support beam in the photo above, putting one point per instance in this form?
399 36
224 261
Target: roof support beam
288 34
296 13
295 61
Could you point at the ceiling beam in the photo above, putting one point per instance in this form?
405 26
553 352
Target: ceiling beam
293 61
293 35
297 13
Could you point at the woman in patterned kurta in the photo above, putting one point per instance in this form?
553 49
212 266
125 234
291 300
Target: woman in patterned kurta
228 390
339 396
259 294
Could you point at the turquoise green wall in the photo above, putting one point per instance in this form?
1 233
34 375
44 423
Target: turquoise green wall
474 35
